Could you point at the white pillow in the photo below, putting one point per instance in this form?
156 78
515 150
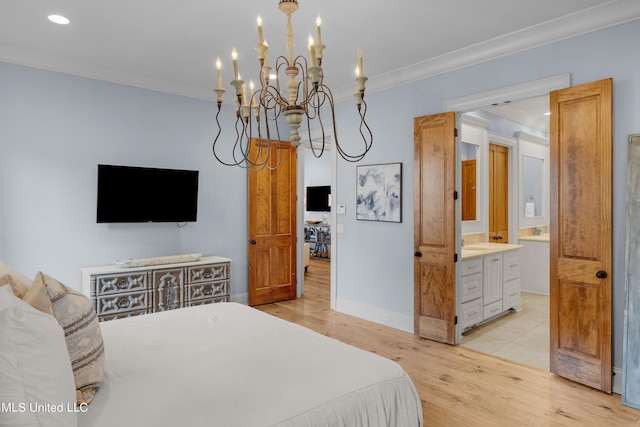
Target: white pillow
38 388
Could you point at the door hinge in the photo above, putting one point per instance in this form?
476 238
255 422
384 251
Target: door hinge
455 132
455 320
455 257
455 195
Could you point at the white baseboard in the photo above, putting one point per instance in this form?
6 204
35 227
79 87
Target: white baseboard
375 314
242 298
617 380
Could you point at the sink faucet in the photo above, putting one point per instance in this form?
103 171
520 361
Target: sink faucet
462 243
537 231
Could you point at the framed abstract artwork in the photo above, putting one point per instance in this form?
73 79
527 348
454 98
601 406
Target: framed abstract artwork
379 192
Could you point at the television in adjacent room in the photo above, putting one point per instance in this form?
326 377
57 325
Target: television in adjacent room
141 194
319 198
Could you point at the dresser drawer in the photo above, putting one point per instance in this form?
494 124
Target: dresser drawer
471 287
511 265
121 303
511 297
492 309
207 301
207 273
471 313
206 290
471 266
112 284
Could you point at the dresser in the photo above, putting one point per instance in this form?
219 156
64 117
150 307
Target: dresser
118 292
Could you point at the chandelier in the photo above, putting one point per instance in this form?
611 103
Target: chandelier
306 98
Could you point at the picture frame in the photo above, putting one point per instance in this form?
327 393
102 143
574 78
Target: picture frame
379 192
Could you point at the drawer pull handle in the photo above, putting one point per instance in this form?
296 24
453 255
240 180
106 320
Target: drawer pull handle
122 284
124 303
207 290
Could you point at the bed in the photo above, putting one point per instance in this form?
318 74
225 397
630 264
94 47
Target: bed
227 364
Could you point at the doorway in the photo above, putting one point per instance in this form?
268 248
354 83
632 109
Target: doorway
512 129
506 101
317 172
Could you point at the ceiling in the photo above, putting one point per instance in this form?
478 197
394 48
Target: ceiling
171 46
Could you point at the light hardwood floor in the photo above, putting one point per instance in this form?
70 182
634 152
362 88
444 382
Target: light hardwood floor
459 386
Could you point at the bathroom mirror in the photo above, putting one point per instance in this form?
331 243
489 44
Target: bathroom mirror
532 180
469 157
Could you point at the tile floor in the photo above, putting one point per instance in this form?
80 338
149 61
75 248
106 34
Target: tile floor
519 336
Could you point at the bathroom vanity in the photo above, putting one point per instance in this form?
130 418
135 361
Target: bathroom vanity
489 282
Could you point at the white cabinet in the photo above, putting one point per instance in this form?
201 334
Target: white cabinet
489 286
492 279
471 289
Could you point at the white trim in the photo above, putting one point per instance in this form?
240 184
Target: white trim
617 380
510 93
241 298
375 314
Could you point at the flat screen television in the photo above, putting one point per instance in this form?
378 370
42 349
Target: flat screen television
319 198
138 194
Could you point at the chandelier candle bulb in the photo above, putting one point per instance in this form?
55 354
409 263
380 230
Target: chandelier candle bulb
312 51
234 57
318 22
360 62
260 39
219 67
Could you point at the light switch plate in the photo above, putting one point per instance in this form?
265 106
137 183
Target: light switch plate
341 209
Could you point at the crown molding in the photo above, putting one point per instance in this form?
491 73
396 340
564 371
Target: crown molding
607 15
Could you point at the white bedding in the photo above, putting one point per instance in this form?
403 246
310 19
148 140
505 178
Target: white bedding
227 364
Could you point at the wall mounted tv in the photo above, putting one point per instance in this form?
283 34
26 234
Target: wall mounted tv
319 198
137 194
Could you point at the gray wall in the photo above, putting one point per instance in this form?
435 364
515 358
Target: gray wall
55 129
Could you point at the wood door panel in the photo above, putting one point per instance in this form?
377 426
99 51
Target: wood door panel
434 227
581 233
579 302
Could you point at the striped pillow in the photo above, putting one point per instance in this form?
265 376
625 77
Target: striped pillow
77 317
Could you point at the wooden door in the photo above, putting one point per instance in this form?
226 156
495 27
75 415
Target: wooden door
434 227
498 193
581 236
272 229
468 190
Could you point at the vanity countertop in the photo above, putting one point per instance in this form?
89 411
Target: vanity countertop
539 238
473 250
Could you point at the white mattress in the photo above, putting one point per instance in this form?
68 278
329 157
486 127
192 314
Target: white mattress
230 365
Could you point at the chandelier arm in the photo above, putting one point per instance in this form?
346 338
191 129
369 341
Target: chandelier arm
215 142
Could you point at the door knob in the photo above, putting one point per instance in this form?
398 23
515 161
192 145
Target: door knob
601 274
253 242
417 253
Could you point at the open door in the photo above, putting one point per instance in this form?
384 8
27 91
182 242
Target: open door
434 227
272 228
581 233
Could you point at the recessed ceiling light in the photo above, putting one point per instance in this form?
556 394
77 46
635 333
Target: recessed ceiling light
58 19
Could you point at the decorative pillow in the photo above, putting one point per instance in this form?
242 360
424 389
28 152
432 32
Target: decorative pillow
78 319
19 282
35 372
